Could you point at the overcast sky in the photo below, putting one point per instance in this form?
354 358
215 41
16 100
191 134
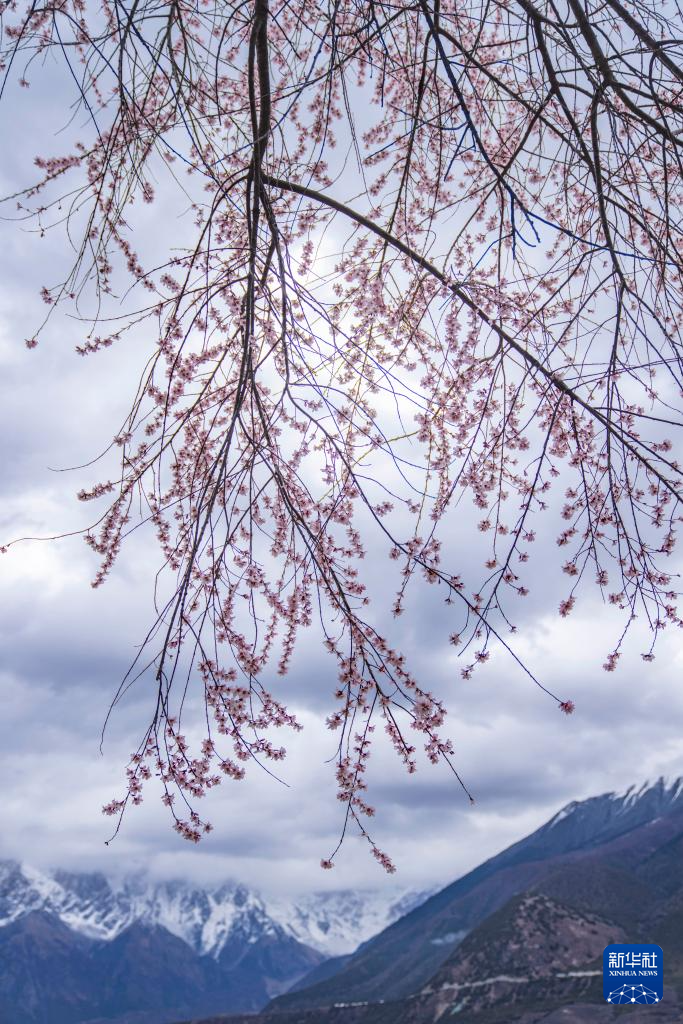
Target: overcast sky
65 647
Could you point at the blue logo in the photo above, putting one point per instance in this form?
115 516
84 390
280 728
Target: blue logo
633 973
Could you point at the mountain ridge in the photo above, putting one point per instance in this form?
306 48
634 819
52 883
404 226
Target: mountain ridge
401 959
136 949
605 869
207 918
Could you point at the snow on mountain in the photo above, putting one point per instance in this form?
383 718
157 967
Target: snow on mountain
333 923
338 922
618 810
616 846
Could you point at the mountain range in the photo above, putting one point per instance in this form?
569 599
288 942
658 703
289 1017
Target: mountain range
520 938
78 947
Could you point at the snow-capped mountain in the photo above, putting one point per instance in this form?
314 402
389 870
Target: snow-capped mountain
620 844
82 949
207 919
336 923
592 822
659 796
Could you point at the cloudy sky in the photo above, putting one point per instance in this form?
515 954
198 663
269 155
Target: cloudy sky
65 647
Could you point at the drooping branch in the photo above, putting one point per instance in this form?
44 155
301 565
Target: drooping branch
528 357
487 330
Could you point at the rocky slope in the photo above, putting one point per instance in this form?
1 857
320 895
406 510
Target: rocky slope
517 941
605 870
618 856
